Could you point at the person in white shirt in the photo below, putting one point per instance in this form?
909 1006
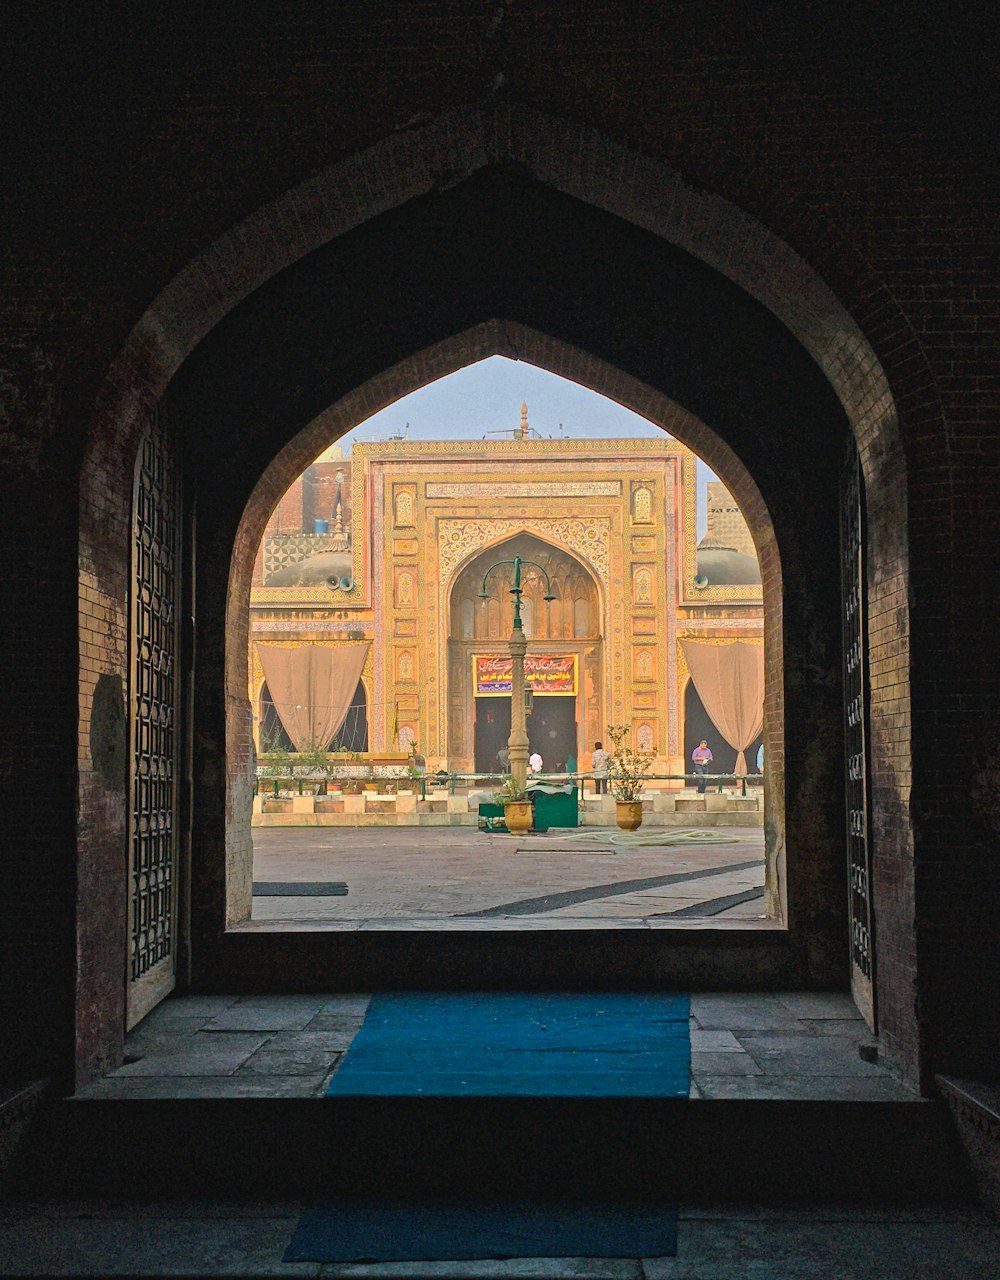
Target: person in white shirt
535 762
599 763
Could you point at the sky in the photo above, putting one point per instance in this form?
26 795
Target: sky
486 397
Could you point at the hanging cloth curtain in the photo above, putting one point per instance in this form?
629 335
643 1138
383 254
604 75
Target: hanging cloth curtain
730 682
311 687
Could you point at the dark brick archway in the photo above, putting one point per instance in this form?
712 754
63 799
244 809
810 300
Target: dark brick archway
551 159
515 340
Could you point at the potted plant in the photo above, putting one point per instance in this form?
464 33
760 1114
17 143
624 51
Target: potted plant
517 811
278 769
627 773
318 762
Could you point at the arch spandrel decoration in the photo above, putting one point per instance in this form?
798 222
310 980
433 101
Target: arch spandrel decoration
589 539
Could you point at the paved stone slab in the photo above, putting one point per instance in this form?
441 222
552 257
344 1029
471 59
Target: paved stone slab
797 1249
802 1087
819 1004
269 1061
231 1086
795 1213
714 1041
284 1000
181 1207
855 1029
262 1017
349 1002
723 1064
741 1012
346 1024
780 1054
310 1041
149 1247
493 1269
174 1035
176 1007
193 1057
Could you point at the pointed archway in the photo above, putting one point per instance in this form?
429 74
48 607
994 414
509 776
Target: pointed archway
566 631
520 270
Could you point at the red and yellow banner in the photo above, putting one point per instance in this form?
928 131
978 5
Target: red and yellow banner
544 673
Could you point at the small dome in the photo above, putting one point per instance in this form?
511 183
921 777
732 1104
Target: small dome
727 567
313 571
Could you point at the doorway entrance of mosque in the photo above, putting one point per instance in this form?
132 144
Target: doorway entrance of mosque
564 665
551 727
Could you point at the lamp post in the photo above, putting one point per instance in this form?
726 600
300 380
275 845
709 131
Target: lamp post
518 740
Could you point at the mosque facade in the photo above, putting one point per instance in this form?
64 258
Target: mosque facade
381 593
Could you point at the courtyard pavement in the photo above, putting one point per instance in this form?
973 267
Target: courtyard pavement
458 877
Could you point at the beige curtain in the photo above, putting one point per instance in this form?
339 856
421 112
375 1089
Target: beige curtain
311 687
730 681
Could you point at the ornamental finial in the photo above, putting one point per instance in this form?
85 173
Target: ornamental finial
524 419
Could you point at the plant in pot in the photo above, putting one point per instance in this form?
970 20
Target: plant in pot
627 774
278 766
318 762
517 811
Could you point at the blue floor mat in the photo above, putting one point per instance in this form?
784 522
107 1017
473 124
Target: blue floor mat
511 1044
395 1231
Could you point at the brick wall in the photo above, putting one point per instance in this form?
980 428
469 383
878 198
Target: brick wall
726 524
136 148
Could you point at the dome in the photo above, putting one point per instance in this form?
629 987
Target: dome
313 571
727 567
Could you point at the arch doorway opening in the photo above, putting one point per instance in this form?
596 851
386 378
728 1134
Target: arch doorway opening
563 669
299 351
395 558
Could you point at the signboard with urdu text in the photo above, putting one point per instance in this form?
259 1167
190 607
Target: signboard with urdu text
551 674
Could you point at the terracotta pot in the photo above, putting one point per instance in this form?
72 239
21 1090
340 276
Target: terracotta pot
518 816
628 814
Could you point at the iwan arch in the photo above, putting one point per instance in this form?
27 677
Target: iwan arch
427 275
390 586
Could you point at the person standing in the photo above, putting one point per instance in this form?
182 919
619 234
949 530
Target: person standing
702 757
535 762
599 762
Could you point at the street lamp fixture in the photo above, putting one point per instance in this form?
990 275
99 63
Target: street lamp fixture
517 743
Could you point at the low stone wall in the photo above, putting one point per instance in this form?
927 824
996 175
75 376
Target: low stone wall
370 809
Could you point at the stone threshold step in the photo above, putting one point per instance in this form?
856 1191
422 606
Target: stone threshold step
894 1152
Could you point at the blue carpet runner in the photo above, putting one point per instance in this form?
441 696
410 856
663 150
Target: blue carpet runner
440 1045
393 1231
510 1044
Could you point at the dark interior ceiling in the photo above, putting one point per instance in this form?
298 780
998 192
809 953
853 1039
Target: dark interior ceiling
501 245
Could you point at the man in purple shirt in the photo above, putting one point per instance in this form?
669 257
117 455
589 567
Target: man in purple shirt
702 757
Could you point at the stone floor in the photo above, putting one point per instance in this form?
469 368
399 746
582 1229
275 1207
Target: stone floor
790 1045
793 1045
460 878
214 1238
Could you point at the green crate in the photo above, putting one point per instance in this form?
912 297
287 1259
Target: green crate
559 810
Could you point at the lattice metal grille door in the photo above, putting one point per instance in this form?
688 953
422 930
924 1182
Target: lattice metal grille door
856 736
155 738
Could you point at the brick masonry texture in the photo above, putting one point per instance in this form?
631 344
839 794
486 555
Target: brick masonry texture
855 196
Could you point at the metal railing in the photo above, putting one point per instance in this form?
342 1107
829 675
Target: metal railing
452 780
